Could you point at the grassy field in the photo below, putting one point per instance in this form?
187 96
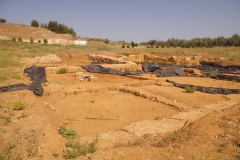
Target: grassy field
11 53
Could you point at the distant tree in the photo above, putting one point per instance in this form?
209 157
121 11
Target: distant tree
3 20
123 46
72 32
53 26
34 23
128 46
39 41
132 44
62 29
136 44
152 42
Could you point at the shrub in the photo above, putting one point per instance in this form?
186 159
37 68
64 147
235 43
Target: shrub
45 41
157 46
18 105
106 41
123 46
92 101
190 89
66 132
128 46
78 149
126 54
62 71
14 39
19 39
31 40
148 46
39 41
162 46
152 46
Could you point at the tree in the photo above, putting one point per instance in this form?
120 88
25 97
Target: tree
34 23
132 44
53 26
3 20
72 32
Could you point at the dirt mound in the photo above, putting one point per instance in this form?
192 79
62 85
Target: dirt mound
49 59
26 32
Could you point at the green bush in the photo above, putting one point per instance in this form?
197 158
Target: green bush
62 71
19 39
18 105
128 46
66 132
78 149
123 46
39 41
148 46
45 41
157 46
190 89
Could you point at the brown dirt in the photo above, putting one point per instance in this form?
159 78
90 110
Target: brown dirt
26 32
99 108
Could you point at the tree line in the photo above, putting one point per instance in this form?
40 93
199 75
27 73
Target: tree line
234 40
56 27
2 20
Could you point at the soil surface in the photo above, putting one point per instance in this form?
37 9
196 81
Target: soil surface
129 126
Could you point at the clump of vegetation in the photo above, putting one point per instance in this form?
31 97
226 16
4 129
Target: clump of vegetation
18 105
14 39
77 149
45 41
106 41
31 40
66 132
7 120
62 71
55 155
19 39
126 54
212 73
123 46
190 89
128 46
92 101
39 41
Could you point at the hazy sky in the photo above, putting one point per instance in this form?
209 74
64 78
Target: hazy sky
131 20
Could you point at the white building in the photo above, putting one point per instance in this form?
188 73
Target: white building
82 43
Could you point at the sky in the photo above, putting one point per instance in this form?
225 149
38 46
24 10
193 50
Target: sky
131 20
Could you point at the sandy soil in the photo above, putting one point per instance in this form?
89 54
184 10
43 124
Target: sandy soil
99 108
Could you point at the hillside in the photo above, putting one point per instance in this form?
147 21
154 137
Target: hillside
26 32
